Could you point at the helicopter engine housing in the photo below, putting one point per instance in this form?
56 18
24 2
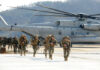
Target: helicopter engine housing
95 27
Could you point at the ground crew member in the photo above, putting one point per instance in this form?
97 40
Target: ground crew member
46 45
52 43
15 44
66 44
35 44
23 43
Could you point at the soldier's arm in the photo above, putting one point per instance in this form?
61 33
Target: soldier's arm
61 44
70 44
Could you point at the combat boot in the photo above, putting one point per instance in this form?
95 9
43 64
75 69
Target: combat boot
66 59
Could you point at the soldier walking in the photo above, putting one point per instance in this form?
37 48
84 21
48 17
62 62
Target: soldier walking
35 44
0 42
15 44
4 41
66 44
46 45
10 42
23 43
52 43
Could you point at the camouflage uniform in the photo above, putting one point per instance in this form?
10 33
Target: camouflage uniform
52 43
4 41
46 45
15 44
35 43
10 42
0 42
22 44
66 44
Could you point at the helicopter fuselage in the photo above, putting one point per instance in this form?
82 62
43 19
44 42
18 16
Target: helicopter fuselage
78 31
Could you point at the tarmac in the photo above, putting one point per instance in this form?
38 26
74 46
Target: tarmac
82 57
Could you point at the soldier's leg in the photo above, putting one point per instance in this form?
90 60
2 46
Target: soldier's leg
50 52
11 46
4 45
8 46
65 52
33 51
0 46
45 52
15 48
21 50
67 55
24 50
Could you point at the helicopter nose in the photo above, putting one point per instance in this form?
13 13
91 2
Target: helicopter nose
82 25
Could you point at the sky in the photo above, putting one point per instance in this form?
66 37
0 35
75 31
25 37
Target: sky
15 3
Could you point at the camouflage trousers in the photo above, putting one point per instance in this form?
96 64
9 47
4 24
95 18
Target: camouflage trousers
4 45
51 51
10 46
0 46
35 48
45 51
23 49
15 47
66 53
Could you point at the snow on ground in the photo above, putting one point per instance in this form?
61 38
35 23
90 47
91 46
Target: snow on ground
76 62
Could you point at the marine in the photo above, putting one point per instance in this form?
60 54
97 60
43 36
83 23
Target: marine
52 43
0 42
10 42
66 44
22 44
46 45
15 44
4 42
35 44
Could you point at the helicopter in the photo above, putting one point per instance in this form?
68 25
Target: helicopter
84 29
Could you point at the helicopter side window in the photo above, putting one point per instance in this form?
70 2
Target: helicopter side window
58 23
60 33
72 33
89 22
87 32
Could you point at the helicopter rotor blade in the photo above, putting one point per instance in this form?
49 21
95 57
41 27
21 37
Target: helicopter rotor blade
95 15
63 12
59 13
37 10
53 15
